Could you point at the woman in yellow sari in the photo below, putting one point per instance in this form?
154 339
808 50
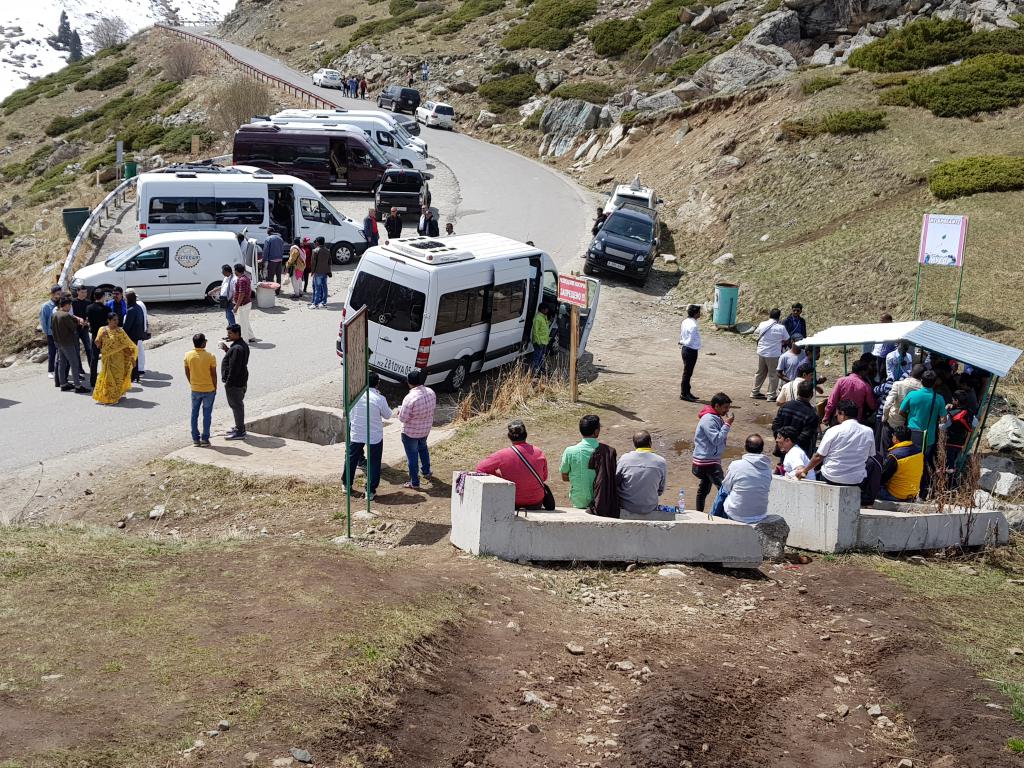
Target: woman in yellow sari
117 357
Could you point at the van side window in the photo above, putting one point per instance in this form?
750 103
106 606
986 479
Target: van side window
459 310
313 210
384 139
507 301
182 210
240 210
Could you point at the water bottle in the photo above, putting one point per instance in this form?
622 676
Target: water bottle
681 504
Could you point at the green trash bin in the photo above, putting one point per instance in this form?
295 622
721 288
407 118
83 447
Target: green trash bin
131 168
726 298
74 220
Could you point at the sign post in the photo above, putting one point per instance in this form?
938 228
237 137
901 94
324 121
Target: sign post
573 291
356 357
942 244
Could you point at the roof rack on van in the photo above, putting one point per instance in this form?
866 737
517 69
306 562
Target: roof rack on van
259 126
205 166
427 250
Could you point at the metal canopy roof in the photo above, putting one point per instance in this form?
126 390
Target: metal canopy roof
965 347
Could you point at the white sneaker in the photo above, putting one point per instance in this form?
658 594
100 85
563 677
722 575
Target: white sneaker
50 375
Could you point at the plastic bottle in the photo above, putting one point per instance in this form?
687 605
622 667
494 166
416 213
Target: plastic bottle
681 505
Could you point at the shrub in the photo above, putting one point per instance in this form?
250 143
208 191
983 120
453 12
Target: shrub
345 20
849 122
549 24
237 101
533 119
106 78
52 84
687 65
657 20
509 91
983 84
628 117
182 61
15 135
469 10
64 123
592 90
886 81
615 36
391 23
931 42
819 83
179 138
505 67
895 97
398 7
971 175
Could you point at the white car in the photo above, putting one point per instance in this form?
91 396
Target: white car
437 114
634 193
327 78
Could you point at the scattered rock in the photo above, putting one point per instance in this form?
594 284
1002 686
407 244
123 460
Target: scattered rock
50 678
301 755
724 259
758 58
251 757
802 589
727 163
622 666
212 734
1007 434
704 21
842 710
884 722
530 697
514 626
533 728
224 725
661 100
773 532
843 680
157 512
282 762
1015 651
681 132
875 710
1006 484
967 570
549 79
671 573
906 762
486 119
574 649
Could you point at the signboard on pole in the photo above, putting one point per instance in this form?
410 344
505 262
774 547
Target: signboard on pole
355 335
942 240
572 290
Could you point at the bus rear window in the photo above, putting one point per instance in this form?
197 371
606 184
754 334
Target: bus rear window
394 306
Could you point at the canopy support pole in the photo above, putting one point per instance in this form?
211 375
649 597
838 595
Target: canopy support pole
974 441
917 291
959 287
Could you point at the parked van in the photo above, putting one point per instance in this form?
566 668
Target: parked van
335 160
325 116
237 200
176 266
394 147
451 306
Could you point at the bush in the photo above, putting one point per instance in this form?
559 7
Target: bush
391 23
469 10
657 20
533 119
971 175
52 84
237 101
895 97
549 24
398 7
932 42
615 36
687 65
64 123
182 61
509 91
345 20
983 84
628 117
887 81
505 67
853 121
179 138
819 83
15 135
106 78
592 90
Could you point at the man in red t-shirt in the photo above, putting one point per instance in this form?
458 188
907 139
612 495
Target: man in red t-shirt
511 464
243 301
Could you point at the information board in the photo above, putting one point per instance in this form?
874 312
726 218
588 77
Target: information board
355 335
572 290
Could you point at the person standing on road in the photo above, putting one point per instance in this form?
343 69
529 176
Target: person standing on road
234 372
794 322
522 464
135 327
373 443
80 309
709 440
362 88
321 269
770 336
141 343
540 336
64 329
243 301
297 268
45 316
417 416
370 231
393 224
116 362
801 415
201 374
427 226
273 255
96 314
227 293
117 304
689 344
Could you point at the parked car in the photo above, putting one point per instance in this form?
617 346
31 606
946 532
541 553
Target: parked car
409 123
627 243
404 189
437 114
327 78
631 193
399 99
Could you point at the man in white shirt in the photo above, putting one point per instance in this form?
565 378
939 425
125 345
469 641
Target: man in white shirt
844 450
793 456
689 343
358 437
899 362
770 336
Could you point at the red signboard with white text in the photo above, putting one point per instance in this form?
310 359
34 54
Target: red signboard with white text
572 290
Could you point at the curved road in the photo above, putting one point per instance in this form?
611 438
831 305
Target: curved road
55 435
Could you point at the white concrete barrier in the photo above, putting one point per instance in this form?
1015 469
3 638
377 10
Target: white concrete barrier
828 518
485 522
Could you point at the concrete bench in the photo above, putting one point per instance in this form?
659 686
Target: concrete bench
485 522
829 518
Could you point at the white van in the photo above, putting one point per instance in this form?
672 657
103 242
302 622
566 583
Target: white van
325 116
169 267
242 199
377 130
451 306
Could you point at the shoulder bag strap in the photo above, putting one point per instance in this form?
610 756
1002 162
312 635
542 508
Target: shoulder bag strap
529 466
761 335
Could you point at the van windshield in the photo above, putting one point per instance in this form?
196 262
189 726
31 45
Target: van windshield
117 258
392 305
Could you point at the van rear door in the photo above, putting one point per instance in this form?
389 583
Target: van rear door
588 315
508 312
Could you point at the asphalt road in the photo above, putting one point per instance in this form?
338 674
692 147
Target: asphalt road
499 192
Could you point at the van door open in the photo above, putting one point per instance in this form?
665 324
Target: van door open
508 312
588 315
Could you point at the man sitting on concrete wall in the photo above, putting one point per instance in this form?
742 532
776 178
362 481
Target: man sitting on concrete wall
640 476
746 485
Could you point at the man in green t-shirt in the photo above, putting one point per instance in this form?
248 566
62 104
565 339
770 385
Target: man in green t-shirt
540 336
575 466
924 409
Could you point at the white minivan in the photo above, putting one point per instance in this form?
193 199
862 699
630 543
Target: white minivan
238 199
176 266
455 305
377 130
325 116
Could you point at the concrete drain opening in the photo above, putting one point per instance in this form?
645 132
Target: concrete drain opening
322 426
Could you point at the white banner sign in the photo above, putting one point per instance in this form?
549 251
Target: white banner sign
942 240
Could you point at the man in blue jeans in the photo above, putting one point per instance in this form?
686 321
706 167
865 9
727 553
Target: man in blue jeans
417 416
374 441
321 268
201 372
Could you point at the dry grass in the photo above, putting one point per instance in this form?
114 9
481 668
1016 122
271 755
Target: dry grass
183 60
512 391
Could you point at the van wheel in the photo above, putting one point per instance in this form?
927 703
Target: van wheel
406 164
342 253
210 301
457 378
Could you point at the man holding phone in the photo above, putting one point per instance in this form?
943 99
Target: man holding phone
709 445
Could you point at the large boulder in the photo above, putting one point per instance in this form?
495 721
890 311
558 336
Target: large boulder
549 79
486 119
704 22
665 52
1005 484
773 532
744 66
776 28
1007 434
661 100
564 121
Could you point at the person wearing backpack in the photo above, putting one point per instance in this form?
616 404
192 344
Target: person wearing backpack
524 465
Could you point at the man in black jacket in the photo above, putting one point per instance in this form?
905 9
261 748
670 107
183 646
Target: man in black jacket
96 314
428 224
134 326
234 372
800 415
393 224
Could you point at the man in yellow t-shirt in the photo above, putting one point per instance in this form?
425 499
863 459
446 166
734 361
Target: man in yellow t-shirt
201 372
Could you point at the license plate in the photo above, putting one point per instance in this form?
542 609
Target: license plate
392 365
401 208
616 265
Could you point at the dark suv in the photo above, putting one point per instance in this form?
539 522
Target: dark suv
404 189
399 99
627 243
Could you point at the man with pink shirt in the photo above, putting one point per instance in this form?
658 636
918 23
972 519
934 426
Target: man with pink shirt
417 416
521 464
857 389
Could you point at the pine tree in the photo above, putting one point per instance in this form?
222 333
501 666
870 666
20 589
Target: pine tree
64 31
75 46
